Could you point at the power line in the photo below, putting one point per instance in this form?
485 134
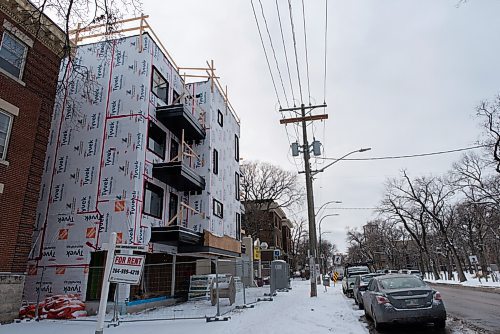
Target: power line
286 55
295 48
305 45
265 53
326 44
274 53
410 155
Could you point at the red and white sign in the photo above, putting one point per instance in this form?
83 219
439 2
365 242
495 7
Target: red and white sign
126 269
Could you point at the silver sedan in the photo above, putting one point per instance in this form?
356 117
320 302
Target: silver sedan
403 298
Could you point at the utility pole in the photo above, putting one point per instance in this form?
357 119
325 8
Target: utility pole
309 186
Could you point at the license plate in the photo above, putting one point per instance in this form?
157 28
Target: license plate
411 302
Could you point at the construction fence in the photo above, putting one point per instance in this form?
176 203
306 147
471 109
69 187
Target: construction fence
199 289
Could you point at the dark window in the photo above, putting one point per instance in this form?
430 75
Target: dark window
238 226
156 140
174 149
175 97
237 186
220 118
173 205
218 209
215 162
159 86
5 126
12 55
236 148
153 200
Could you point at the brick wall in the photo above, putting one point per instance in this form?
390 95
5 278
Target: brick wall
26 151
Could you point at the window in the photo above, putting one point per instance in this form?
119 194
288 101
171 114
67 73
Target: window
173 205
5 125
159 86
237 186
153 200
238 226
220 118
175 96
236 148
218 209
215 162
174 149
12 55
156 140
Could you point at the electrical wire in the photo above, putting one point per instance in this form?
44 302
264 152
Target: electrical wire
265 53
274 53
295 48
326 44
409 155
286 55
305 46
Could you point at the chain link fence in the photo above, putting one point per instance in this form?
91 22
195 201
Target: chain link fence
196 289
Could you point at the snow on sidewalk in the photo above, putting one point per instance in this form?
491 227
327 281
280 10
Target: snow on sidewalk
290 312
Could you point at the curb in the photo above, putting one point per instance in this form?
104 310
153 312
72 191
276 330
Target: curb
476 288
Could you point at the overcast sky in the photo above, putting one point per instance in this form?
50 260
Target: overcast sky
403 78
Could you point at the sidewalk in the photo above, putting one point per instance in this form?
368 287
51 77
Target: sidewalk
290 312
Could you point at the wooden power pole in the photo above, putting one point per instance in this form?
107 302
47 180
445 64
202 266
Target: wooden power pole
309 186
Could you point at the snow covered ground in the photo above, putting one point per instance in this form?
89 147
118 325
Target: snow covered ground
289 312
471 281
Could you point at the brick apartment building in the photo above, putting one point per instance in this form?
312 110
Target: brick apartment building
268 222
29 66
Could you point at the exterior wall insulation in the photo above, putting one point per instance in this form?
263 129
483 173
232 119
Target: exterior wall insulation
97 162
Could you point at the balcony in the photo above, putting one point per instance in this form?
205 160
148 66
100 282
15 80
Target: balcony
178 175
178 117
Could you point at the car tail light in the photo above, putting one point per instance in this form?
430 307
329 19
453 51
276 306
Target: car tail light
382 300
437 296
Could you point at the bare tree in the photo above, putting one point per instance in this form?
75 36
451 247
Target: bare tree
489 113
266 187
264 182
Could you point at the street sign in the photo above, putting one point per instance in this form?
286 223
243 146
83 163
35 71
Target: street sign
473 259
256 253
335 276
337 259
276 253
126 269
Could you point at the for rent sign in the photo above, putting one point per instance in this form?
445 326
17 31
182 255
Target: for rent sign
126 269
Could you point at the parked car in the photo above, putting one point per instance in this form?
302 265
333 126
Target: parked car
403 298
392 271
360 285
350 274
412 272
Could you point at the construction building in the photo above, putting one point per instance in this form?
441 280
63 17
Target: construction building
135 149
30 55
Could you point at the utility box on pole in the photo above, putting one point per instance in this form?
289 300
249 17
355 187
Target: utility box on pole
280 275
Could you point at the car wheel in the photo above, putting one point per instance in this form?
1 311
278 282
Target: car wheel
441 323
376 323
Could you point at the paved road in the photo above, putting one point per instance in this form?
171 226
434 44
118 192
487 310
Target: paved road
479 308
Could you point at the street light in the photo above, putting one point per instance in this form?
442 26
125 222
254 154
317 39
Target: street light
337 160
319 226
325 204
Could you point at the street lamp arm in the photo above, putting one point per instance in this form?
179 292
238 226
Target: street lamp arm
335 161
325 204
